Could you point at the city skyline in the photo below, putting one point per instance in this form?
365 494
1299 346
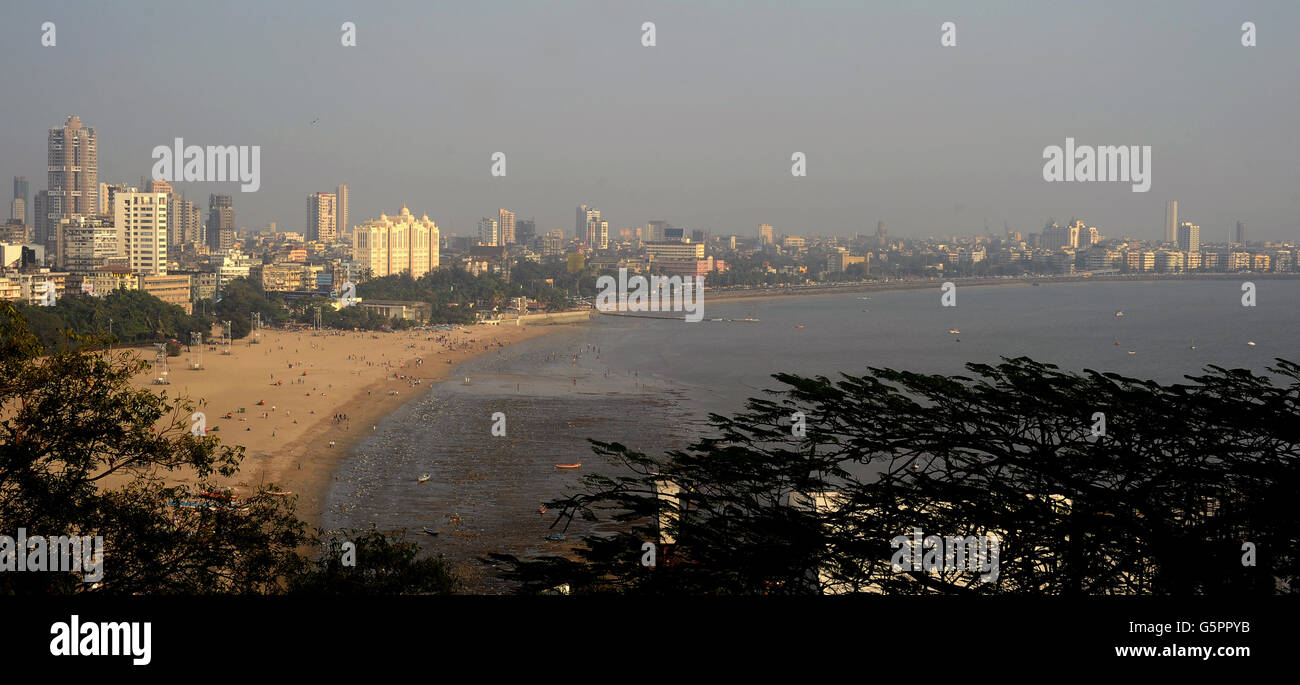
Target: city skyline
716 156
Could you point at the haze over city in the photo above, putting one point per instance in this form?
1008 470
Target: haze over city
698 130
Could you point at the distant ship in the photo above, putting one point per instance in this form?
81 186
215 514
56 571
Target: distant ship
953 331
1119 313
747 319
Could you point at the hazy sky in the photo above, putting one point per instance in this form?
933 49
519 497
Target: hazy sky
697 130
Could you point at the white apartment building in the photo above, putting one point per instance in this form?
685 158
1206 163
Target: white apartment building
140 220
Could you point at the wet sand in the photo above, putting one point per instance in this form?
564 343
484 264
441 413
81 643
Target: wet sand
306 382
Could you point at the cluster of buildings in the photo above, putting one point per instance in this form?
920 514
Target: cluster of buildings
82 235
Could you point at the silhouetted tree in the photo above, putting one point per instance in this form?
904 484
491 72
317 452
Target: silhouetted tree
1164 502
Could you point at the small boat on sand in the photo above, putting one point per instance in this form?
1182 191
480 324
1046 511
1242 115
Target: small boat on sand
422 479
574 465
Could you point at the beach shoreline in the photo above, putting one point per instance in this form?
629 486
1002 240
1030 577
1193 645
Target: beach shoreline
299 402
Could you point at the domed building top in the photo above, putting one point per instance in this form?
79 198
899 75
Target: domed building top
405 211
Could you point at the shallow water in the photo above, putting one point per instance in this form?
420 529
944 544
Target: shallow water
651 384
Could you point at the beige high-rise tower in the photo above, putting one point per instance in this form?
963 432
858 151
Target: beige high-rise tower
341 199
72 158
1171 221
507 227
391 245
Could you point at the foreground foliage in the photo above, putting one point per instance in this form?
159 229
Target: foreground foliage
1185 480
84 453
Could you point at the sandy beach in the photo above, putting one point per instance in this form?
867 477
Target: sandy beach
298 401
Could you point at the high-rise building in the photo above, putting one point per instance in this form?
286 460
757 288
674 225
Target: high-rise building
882 236
1094 236
1241 233
580 226
1060 237
87 243
18 208
41 217
140 221
184 226
1171 221
507 226
488 231
391 245
72 153
220 230
553 243
341 211
525 231
1189 237
766 236
597 233
322 217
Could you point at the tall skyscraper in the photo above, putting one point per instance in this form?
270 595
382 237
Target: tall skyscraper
580 226
342 212
221 223
882 236
1241 232
322 217
140 221
765 234
488 231
72 153
41 217
1171 221
1189 237
391 245
525 231
18 208
597 233
507 226
183 223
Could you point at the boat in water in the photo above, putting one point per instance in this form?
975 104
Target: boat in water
953 331
430 531
747 319
555 536
1119 314
574 465
423 479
